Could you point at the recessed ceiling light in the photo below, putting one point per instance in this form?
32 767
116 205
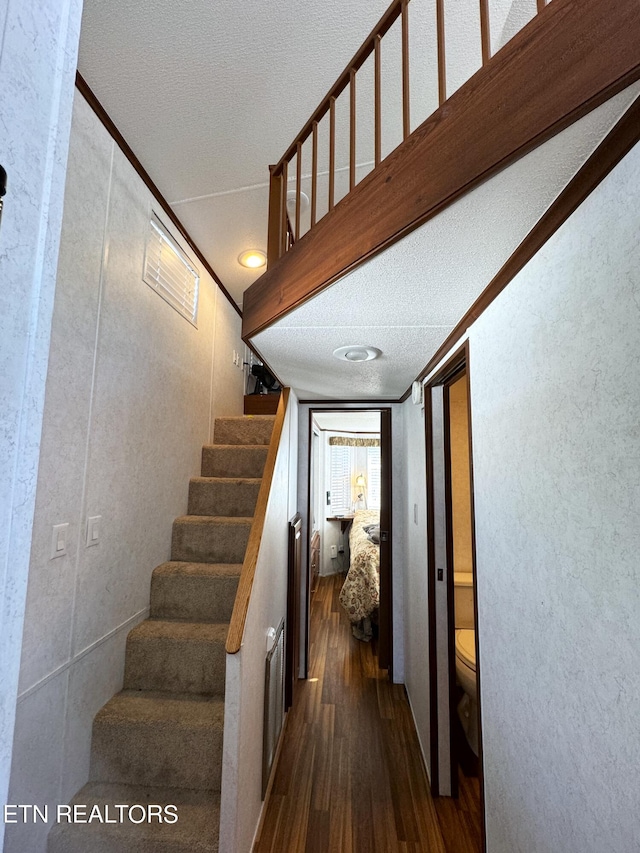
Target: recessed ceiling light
252 259
356 353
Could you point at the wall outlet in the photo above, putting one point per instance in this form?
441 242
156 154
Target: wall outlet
334 552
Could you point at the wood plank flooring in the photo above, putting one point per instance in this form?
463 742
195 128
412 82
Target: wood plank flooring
350 777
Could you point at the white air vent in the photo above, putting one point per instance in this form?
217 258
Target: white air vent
170 273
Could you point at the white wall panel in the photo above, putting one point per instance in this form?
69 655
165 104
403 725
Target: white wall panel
128 408
555 406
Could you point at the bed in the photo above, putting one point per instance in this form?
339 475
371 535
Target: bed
360 593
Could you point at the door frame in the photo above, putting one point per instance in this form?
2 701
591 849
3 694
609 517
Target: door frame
385 641
292 639
457 366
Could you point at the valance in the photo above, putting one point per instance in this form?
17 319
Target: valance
345 441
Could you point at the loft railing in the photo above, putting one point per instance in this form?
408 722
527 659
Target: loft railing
287 202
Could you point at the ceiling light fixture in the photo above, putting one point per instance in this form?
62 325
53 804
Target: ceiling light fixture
291 201
356 353
252 259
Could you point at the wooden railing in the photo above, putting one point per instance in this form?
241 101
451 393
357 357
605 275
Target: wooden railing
285 205
241 604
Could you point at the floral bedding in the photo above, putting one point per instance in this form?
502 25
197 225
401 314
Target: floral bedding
360 593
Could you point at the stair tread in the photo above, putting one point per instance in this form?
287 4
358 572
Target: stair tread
235 446
150 706
179 567
214 519
173 629
197 826
249 481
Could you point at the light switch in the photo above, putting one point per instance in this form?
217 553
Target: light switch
93 530
59 540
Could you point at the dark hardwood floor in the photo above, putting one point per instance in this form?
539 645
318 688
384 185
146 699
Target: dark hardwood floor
350 777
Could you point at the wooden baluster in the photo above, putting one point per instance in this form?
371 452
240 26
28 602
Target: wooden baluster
352 129
332 152
442 68
284 224
485 34
314 173
378 99
541 5
406 121
298 182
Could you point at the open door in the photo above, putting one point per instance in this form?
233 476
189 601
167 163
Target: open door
453 612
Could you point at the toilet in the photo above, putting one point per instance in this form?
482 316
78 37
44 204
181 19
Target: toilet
466 677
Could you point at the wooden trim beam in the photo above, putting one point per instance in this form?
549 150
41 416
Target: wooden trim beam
243 595
616 145
570 58
88 94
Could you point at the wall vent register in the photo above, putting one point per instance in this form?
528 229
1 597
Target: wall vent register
170 272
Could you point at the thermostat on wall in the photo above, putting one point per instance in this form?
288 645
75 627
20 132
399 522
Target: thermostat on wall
416 392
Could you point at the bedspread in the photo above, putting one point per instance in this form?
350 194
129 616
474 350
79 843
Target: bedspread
360 593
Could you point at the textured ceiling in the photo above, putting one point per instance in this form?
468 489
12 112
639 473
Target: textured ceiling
208 94
406 300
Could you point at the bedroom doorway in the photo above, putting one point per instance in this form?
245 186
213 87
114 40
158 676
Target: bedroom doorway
350 489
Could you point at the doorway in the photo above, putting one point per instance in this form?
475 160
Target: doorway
349 489
456 729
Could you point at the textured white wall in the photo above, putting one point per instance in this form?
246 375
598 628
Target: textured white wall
128 406
38 49
241 803
556 406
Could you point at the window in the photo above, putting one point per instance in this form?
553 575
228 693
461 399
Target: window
340 480
170 273
346 464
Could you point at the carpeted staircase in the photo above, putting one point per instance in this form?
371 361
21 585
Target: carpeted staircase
159 741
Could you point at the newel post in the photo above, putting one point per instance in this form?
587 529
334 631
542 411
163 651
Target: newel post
276 235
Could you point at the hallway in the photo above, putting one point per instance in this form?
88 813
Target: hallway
350 778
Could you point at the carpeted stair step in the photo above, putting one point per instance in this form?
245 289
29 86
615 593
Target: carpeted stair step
198 592
252 429
223 496
179 657
233 460
210 539
195 831
158 739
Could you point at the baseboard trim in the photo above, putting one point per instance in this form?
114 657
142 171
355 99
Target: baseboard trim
128 623
425 766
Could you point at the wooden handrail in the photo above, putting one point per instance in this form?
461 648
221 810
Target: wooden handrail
371 47
565 62
243 595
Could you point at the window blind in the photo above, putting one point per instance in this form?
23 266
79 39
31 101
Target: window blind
340 480
373 477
